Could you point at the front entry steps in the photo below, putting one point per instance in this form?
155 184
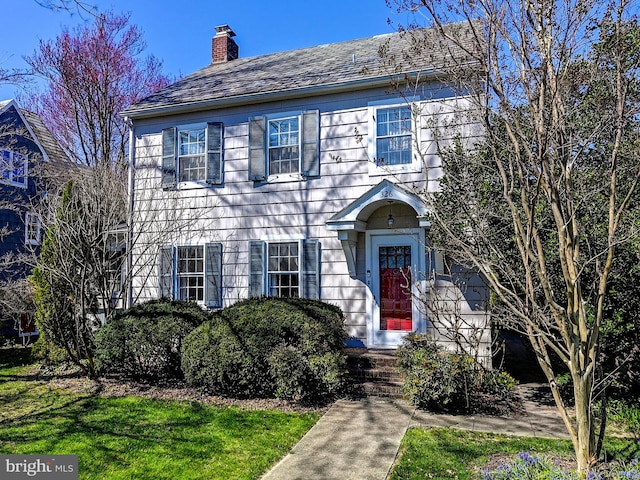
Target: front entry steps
374 372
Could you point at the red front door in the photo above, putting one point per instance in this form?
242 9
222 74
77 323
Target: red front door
395 288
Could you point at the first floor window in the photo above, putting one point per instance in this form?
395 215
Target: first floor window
13 168
32 229
192 273
393 135
284 268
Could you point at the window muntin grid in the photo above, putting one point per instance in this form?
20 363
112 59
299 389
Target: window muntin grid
191 273
284 146
283 269
393 135
191 155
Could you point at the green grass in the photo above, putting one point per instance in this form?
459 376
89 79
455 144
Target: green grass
454 454
138 438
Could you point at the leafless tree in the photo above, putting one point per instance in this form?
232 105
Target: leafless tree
539 205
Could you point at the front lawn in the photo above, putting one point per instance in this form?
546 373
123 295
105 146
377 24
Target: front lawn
142 438
444 453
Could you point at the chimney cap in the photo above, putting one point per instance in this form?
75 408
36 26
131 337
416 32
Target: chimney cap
224 30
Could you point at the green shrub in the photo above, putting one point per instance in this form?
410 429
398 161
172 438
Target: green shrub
438 379
145 341
289 348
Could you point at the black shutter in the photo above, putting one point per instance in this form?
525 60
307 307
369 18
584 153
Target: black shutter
311 143
213 275
257 149
256 268
311 269
214 153
166 272
169 159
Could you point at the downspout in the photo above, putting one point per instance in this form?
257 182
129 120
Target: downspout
131 185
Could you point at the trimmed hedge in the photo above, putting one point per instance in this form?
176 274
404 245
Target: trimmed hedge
145 341
263 347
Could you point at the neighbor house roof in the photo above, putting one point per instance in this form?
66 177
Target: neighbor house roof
46 139
344 66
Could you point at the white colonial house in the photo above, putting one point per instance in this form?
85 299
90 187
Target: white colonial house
299 173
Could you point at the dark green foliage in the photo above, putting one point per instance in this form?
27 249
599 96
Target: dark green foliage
145 341
438 379
261 347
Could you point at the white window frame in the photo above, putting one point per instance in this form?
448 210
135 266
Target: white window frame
190 274
12 158
271 289
276 177
415 166
31 219
202 127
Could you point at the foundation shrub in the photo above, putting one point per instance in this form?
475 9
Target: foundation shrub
145 341
265 347
438 379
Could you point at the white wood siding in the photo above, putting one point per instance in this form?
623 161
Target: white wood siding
240 211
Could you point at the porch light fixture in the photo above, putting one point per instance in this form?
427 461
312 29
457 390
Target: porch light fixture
390 219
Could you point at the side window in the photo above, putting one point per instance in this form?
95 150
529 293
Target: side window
284 269
192 153
32 229
392 139
13 168
191 273
284 147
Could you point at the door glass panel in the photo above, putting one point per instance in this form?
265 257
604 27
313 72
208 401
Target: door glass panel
395 288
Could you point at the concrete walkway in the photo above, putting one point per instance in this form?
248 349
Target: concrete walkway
359 439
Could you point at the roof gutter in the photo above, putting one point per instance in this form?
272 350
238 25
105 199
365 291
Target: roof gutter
264 97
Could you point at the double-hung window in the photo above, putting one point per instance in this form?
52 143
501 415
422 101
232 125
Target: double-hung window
192 154
191 273
13 168
32 229
284 146
393 134
289 268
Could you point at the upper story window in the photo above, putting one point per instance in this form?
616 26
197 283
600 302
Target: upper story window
284 146
32 229
393 135
392 140
13 168
192 154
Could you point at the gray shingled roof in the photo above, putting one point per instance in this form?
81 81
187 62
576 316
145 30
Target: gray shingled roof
346 65
45 138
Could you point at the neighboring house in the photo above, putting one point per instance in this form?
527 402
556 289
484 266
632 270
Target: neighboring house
297 174
27 149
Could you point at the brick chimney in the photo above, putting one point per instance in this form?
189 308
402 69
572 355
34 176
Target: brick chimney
223 47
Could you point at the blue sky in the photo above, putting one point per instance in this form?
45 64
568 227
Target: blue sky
179 33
